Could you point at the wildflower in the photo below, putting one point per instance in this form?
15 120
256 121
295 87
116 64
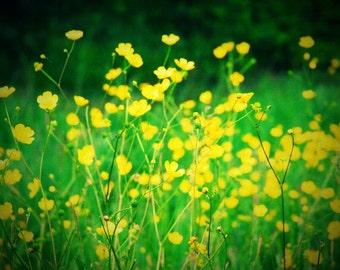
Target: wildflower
175 238
23 134
171 170
133 193
206 97
247 188
134 60
73 200
80 101
98 120
113 74
47 101
313 256
12 176
124 166
306 42
236 78
86 155
222 50
102 251
139 107
74 34
333 229
6 210
184 64
111 108
231 202
124 49
170 40
243 47
121 91
25 235
38 66
148 130
72 134
335 205
260 210
177 76
163 73
33 187
277 131
327 193
279 226
46 204
313 63
6 91
72 119
13 154
310 188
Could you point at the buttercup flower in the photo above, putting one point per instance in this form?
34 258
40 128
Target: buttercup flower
184 64
236 78
308 94
6 210
163 73
102 251
6 91
74 34
124 166
80 101
124 49
12 176
260 210
46 204
33 187
170 39
206 97
139 107
98 120
175 237
135 60
113 74
243 48
47 101
222 50
148 130
171 170
23 134
333 229
86 155
25 235
306 42
72 119
37 66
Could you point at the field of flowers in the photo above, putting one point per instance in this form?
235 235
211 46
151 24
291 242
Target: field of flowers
133 179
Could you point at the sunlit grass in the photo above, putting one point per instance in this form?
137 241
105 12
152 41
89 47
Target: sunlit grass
244 176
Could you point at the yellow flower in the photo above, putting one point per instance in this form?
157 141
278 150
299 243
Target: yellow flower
121 91
23 134
335 205
124 166
148 130
163 73
124 49
170 39
313 256
175 238
243 48
12 176
139 107
6 91
72 119
206 97
236 78
113 74
260 210
247 188
6 210
306 42
37 66
333 229
171 170
13 154
134 60
74 34
184 64
98 120
231 202
86 155
80 101
102 251
279 226
47 101
308 94
222 50
111 108
25 235
72 134
33 187
46 204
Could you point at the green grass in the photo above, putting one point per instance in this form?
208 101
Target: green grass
150 219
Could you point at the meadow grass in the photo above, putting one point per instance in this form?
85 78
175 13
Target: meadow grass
244 175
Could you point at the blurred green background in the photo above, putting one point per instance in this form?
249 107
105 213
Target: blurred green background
273 28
